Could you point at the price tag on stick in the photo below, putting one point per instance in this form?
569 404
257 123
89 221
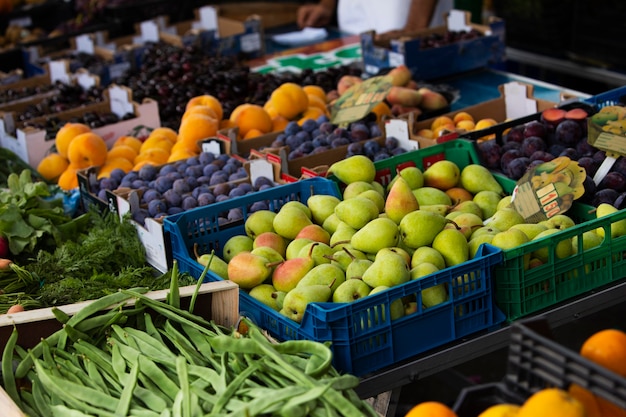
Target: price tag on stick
606 130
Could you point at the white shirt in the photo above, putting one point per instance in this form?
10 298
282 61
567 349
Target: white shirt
357 16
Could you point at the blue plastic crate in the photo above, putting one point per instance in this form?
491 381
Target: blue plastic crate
363 337
614 97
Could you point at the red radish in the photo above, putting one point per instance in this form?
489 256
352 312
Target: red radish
4 247
16 308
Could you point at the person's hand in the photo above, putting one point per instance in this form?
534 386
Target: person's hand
314 15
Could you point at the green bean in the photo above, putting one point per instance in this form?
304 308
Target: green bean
151 400
95 375
268 403
8 377
142 412
150 328
40 401
194 296
63 411
123 406
173 298
104 302
183 344
320 359
118 362
24 366
233 386
76 335
149 346
310 395
97 355
183 382
60 315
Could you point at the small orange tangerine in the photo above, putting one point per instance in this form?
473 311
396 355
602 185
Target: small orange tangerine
52 166
462 115
607 348
66 134
131 141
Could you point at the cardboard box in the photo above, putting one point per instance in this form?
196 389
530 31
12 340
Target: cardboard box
272 14
436 62
32 144
217 301
516 100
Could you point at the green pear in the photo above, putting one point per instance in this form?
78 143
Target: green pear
396 307
263 294
430 195
322 206
296 300
509 239
476 178
258 222
279 297
466 223
236 244
272 240
331 222
559 222
419 228
504 218
299 205
488 201
442 174
268 253
400 200
422 269
442 209
453 215
452 245
388 268
248 270
434 295
294 247
324 274
378 187
342 258
343 234
357 268
618 228
428 255
413 176
314 232
375 235
485 230
286 276
562 248
590 239
474 243
216 264
396 249
505 202
289 221
320 252
356 211
351 290
376 198
469 206
356 188
530 229
354 168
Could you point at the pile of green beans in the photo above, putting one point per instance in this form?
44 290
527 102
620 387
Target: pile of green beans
154 359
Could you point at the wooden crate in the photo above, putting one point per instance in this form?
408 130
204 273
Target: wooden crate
217 301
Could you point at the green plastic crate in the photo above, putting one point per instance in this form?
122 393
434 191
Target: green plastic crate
521 291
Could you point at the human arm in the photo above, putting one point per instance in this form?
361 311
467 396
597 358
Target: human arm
420 15
316 15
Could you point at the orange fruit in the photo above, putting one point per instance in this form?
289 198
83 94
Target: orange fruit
462 115
200 108
226 124
253 133
381 110
113 163
138 165
441 121
180 153
311 113
551 402
587 398
269 108
156 155
196 127
156 142
459 194
251 116
485 123
52 166
166 132
466 125
131 141
426 133
315 90
207 100
289 100
431 409
315 101
607 348
68 179
608 409
279 123
443 129
87 149
66 134
122 151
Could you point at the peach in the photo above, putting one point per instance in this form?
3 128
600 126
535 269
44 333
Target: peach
462 115
87 149
400 75
404 96
346 82
466 125
432 100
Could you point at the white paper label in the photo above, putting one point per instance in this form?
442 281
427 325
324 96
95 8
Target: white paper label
516 103
58 72
399 129
261 168
86 80
212 146
84 43
149 31
457 22
120 101
23 22
251 42
395 59
208 18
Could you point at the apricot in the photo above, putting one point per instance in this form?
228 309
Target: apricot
87 149
66 134
462 115
315 90
289 100
52 166
196 127
251 116
122 151
68 180
207 100
131 141
167 132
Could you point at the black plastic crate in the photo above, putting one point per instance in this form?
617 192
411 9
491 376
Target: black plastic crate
597 34
542 26
535 361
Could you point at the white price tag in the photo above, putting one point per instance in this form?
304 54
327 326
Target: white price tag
208 18
251 42
396 59
84 43
120 101
213 146
86 80
399 129
457 21
261 168
516 102
149 31
58 72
